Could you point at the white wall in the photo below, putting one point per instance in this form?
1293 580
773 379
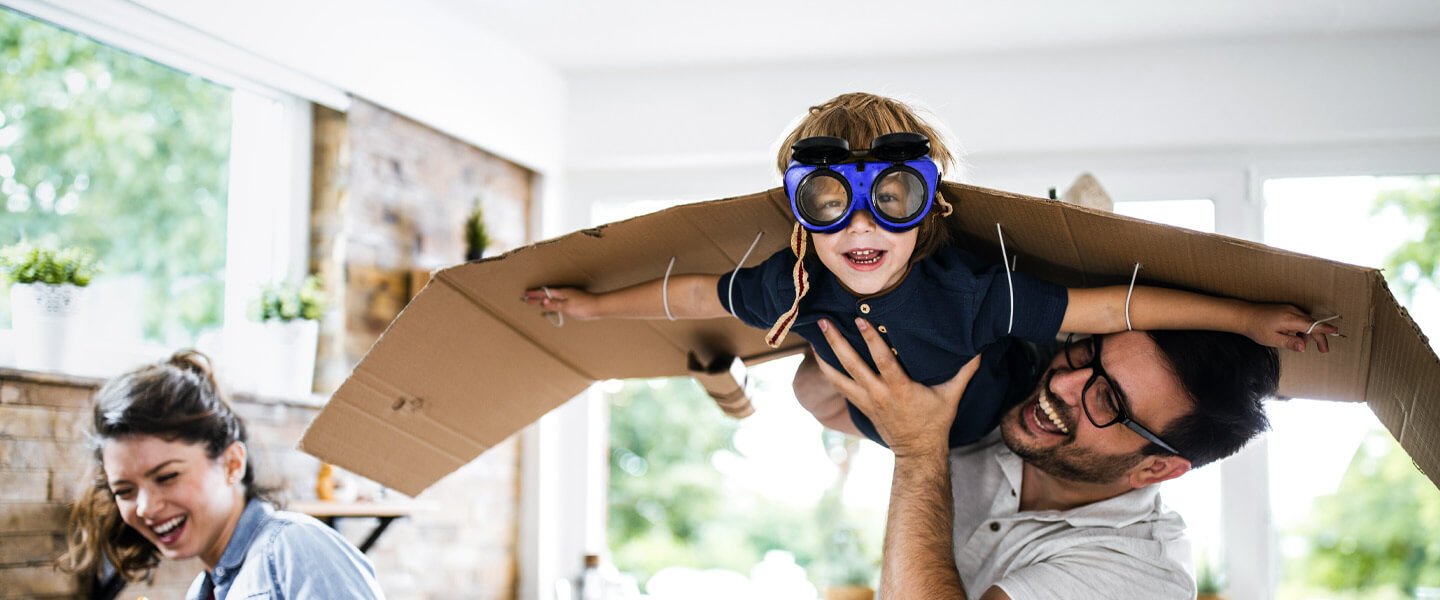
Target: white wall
1029 121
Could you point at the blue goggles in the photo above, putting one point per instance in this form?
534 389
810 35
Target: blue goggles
894 180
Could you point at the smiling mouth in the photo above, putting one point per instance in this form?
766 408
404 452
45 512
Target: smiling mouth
170 529
865 258
1046 418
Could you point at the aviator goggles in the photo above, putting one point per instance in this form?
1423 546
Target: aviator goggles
894 180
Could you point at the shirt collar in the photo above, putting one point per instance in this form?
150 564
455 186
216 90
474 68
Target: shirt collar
1119 511
256 512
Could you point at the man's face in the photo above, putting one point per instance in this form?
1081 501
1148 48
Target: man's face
1049 429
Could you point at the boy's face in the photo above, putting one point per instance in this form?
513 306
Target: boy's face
866 258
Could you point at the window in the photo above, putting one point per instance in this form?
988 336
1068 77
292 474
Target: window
160 173
694 489
1190 214
1355 519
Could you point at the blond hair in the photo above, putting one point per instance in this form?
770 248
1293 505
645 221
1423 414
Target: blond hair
858 118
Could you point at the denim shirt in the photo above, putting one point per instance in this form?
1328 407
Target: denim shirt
281 554
947 308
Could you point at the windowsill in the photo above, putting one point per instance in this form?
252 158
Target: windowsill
8 373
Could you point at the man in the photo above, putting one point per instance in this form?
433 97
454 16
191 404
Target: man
1060 502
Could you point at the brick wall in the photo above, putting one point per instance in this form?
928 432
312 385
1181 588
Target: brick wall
390 200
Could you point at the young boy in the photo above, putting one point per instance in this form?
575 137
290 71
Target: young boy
875 220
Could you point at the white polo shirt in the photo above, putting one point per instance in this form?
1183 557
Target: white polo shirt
1130 546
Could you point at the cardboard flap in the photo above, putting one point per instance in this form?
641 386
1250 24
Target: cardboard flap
468 363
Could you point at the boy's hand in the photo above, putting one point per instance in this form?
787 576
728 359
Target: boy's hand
574 303
1285 326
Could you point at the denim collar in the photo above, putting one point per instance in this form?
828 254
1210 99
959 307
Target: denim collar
256 512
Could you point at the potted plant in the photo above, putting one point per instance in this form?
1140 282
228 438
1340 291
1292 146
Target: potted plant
1209 583
281 349
848 571
46 298
476 238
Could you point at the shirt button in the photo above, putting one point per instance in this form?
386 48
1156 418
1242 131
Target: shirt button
865 308
994 526
882 329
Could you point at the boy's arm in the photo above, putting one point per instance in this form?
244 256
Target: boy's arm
1102 310
688 296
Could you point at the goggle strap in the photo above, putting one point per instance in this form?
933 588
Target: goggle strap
945 208
781 328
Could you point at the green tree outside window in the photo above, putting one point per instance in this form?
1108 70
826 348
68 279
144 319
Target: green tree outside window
109 151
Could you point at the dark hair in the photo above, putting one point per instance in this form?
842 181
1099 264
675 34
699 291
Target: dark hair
859 117
1228 377
175 400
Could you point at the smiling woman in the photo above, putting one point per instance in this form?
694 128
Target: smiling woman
173 481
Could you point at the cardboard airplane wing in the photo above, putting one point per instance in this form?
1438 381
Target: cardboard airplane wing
467 363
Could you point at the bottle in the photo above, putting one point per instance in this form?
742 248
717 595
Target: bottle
592 580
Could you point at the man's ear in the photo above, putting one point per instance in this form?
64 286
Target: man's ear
1155 469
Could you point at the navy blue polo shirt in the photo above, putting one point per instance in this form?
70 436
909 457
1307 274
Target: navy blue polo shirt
945 310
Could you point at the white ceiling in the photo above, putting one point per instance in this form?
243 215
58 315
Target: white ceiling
586 35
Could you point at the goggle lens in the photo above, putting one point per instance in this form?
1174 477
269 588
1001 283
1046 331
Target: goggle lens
898 195
823 197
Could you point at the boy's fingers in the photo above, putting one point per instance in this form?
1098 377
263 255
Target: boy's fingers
859 371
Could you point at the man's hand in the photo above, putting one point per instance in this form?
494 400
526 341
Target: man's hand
912 417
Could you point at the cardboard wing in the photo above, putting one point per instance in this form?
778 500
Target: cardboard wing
467 363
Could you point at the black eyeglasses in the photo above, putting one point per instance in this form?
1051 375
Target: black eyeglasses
1106 406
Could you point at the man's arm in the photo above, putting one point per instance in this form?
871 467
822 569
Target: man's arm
918 559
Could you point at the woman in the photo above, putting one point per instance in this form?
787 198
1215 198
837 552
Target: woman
174 481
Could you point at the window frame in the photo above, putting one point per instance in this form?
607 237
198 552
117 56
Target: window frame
269 188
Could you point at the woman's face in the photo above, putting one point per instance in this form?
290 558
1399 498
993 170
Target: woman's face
181 500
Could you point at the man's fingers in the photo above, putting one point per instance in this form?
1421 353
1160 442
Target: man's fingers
881 353
859 371
953 389
843 383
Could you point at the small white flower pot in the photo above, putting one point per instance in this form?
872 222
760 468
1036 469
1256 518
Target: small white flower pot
282 357
47 325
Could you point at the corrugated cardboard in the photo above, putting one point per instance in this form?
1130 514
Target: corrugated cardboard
468 363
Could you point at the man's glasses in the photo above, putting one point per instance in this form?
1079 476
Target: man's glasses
1106 406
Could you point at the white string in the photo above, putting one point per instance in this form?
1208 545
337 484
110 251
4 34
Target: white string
1133 274
1009 280
730 290
665 290
1312 325
552 313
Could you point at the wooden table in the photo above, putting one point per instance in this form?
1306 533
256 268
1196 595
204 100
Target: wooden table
385 511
